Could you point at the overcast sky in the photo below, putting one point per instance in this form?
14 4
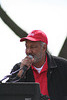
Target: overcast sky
49 16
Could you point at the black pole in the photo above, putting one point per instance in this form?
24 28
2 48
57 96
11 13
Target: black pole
16 29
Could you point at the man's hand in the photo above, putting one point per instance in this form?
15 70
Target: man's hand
26 61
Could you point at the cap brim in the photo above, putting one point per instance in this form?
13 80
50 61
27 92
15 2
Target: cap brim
27 38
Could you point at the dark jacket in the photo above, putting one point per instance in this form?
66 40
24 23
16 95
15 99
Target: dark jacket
57 77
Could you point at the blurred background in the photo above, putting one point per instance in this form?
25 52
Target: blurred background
19 17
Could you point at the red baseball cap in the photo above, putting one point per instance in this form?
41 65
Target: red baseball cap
36 35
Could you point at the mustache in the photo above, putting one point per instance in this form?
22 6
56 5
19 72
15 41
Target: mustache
30 54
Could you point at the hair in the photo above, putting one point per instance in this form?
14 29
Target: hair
42 44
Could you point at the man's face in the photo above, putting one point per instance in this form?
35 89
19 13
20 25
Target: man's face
36 50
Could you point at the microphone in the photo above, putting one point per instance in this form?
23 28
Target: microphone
31 56
16 79
25 66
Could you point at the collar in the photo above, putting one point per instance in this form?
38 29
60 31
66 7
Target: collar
44 68
51 61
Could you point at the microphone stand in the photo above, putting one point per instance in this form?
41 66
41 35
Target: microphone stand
8 76
5 78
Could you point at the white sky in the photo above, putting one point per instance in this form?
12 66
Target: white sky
49 16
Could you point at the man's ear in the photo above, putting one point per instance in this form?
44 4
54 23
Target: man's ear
45 47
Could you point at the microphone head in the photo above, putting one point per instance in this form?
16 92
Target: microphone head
31 56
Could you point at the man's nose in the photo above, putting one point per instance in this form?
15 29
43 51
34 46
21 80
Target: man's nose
29 50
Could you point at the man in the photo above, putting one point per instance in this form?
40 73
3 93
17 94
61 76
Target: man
49 71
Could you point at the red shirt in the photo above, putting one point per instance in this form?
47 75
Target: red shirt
41 78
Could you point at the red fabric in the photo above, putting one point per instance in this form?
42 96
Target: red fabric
41 78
